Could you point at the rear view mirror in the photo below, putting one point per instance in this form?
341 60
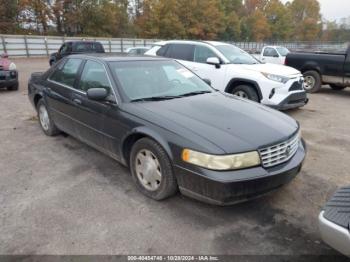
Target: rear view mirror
97 94
213 61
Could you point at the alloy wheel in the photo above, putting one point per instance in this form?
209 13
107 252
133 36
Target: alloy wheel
44 118
309 82
148 170
241 94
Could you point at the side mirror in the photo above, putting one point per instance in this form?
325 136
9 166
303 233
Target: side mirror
276 55
97 94
207 81
213 61
4 55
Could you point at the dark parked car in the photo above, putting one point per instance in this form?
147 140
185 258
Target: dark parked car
8 73
322 68
76 47
169 126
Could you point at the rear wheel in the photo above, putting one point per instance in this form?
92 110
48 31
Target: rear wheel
336 87
312 81
246 92
46 123
151 169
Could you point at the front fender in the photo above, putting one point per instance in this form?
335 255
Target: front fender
143 131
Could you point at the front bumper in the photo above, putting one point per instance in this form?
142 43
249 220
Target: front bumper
294 100
8 78
231 187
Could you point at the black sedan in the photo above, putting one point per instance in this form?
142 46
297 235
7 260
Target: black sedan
169 126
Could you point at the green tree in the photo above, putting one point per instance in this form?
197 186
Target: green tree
8 15
279 19
232 25
201 19
306 19
258 26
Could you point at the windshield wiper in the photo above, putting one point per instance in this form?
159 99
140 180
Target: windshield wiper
195 93
154 98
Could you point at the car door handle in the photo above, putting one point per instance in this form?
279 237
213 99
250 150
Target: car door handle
194 68
77 101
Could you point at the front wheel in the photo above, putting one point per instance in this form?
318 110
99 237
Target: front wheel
312 81
151 170
46 123
246 92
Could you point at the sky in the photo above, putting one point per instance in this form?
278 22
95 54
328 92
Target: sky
333 9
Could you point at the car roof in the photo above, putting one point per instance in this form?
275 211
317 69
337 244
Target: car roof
83 41
108 57
193 42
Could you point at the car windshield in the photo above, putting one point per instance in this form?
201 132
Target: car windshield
236 55
157 80
283 51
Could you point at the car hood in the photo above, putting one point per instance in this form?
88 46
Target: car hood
232 124
273 69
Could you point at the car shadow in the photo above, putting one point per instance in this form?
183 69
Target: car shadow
329 91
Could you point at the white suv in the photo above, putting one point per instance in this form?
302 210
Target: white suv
234 71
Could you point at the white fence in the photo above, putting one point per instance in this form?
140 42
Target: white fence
19 45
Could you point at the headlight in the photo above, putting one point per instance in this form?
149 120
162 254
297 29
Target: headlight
224 162
277 78
12 66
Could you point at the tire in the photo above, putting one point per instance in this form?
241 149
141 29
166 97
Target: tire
13 87
336 87
246 92
45 121
148 152
312 81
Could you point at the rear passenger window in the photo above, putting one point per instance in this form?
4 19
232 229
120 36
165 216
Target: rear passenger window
94 76
161 51
202 53
67 73
180 51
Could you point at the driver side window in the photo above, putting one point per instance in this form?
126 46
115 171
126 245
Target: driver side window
94 75
202 53
270 52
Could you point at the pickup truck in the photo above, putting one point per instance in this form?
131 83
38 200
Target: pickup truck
322 68
76 47
274 54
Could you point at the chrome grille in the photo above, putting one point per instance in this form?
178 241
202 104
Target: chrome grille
280 153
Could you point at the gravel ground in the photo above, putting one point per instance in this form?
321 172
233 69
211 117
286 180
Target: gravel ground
59 196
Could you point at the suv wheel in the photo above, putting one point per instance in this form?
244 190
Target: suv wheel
151 170
246 92
46 123
312 81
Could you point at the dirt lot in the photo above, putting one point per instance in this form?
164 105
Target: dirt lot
59 196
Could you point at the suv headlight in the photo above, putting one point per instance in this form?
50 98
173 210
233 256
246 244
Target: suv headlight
221 162
12 66
277 78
